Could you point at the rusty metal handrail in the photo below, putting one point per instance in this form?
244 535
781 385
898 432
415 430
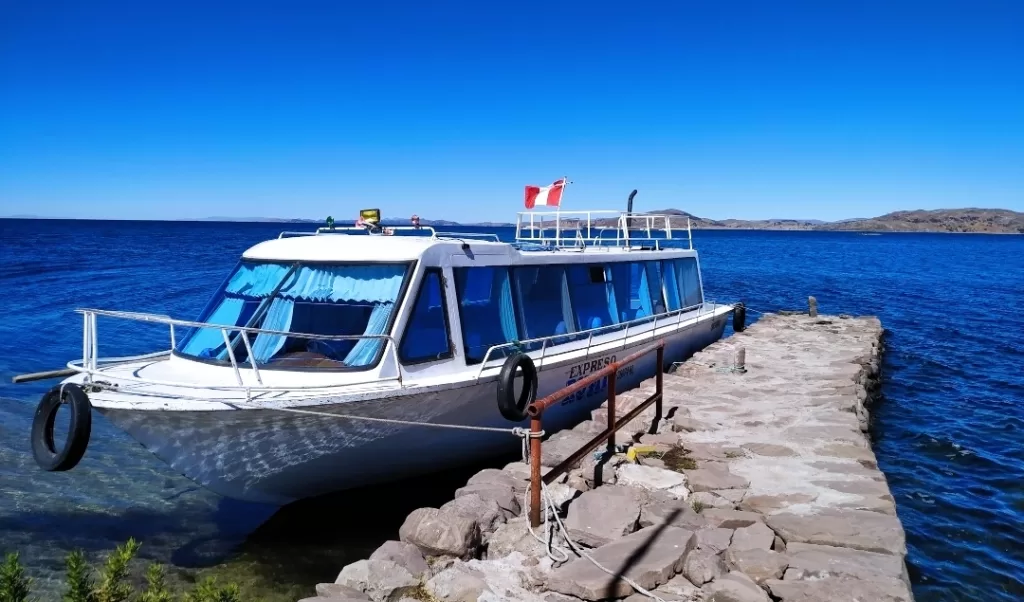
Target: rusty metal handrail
536 412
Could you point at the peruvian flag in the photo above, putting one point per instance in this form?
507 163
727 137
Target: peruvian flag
545 196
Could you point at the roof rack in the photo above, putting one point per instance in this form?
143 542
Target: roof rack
579 229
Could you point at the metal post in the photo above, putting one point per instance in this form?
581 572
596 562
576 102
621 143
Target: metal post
231 356
535 482
252 359
611 412
741 360
659 381
92 340
812 307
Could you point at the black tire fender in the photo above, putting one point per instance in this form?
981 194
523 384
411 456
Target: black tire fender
739 317
47 455
511 407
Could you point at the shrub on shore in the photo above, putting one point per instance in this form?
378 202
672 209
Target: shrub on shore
114 584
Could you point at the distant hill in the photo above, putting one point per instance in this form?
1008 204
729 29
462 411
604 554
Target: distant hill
1001 221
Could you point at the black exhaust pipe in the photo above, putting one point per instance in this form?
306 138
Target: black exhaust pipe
629 211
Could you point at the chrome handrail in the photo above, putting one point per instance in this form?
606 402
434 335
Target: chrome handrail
702 309
90 363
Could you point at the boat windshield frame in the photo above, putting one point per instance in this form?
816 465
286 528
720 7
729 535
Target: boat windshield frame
386 335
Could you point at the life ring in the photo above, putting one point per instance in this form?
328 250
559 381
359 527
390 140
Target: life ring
47 455
513 408
739 317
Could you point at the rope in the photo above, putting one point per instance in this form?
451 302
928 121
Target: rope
562 555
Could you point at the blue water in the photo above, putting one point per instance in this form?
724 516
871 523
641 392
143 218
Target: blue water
949 431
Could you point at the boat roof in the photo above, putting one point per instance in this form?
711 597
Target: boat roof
342 247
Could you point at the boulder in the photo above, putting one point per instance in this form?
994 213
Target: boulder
755 537
731 519
676 589
493 476
858 529
438 533
602 515
514 536
487 514
702 565
503 494
808 561
840 589
404 555
663 508
736 587
458 583
758 564
717 540
381 580
561 495
649 557
714 476
339 592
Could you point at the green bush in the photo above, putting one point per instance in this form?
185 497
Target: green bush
114 583
14 584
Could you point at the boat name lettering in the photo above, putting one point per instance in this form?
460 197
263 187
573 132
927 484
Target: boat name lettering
598 386
580 370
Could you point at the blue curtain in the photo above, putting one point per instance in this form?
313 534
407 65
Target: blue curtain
644 292
365 350
278 317
613 307
204 340
671 285
364 283
506 306
256 280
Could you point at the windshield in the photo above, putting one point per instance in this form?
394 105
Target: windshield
319 299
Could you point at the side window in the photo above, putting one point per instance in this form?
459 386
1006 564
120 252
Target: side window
689 282
544 301
593 296
637 289
486 310
426 333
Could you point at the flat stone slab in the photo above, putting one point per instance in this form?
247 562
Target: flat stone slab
649 557
812 561
602 515
840 589
857 529
755 537
760 565
735 587
712 478
731 519
650 478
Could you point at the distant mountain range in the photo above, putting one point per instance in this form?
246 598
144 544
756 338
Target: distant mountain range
1001 221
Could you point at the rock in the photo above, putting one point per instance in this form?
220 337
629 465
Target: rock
813 561
514 536
404 555
684 423
520 473
736 587
380 579
732 495
561 495
717 540
665 509
840 589
702 565
501 493
779 545
487 514
339 592
758 564
505 478
713 477
649 478
769 449
600 472
731 519
755 537
602 515
438 533
458 583
710 500
560 446
650 557
676 589
858 529
766 504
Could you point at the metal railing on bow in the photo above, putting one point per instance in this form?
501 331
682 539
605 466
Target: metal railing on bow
536 413
91 364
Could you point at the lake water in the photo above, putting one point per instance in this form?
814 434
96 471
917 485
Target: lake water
949 431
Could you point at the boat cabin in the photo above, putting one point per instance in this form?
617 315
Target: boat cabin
330 300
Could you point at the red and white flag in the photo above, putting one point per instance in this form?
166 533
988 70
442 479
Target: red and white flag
545 196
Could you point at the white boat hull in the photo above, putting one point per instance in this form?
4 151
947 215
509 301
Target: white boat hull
274 456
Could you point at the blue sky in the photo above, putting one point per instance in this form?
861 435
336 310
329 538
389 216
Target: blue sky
303 109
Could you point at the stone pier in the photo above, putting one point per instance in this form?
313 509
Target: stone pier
759 484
